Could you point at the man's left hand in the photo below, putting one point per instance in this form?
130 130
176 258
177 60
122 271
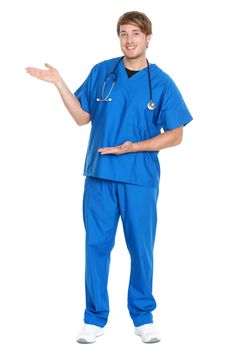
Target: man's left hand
126 147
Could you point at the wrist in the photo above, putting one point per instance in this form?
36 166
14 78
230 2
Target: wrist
135 147
59 84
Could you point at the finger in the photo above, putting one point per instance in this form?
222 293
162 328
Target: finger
105 149
111 151
108 149
34 72
37 73
107 152
32 69
49 66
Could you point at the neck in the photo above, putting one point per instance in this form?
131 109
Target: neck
137 63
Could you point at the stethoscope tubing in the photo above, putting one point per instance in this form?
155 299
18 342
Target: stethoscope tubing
150 105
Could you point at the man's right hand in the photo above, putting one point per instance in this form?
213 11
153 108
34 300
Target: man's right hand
71 102
51 74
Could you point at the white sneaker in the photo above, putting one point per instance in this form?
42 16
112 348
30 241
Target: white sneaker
148 333
89 333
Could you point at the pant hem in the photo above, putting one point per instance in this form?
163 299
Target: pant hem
141 321
95 322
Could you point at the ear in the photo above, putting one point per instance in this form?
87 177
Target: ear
148 38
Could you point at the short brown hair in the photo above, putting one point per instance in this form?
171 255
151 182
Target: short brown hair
135 18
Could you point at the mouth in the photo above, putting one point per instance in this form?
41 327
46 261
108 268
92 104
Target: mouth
130 48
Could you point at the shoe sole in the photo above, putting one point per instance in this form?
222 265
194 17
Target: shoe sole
153 340
84 341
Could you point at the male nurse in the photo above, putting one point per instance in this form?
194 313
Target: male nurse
135 110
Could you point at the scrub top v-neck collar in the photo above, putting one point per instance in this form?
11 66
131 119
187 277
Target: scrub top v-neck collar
123 74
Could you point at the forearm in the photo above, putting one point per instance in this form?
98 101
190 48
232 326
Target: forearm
157 143
72 104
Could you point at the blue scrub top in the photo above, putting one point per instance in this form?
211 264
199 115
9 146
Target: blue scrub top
127 118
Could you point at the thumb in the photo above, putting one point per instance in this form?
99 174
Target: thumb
49 66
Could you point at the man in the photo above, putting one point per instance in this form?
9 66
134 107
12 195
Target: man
128 102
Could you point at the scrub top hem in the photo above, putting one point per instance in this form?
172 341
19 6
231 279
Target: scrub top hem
111 178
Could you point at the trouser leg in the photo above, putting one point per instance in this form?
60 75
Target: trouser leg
101 216
138 212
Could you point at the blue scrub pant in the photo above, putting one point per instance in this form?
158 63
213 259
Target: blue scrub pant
103 202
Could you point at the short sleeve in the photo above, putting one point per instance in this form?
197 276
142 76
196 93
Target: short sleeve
83 93
174 112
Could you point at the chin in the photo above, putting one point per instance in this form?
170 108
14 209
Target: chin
131 55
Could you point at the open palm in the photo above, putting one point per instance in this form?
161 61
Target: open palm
51 74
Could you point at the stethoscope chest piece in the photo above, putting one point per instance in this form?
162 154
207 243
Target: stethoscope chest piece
151 106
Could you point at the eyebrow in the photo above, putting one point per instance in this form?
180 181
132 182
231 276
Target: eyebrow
134 30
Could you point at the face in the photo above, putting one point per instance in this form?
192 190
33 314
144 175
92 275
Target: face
133 41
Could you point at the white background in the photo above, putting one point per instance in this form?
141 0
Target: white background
42 152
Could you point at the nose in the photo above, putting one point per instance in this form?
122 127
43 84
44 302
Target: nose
129 39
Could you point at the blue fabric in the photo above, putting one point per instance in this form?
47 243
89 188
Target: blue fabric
104 201
127 118
124 185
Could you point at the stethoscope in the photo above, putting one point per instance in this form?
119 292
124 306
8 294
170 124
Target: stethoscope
107 98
